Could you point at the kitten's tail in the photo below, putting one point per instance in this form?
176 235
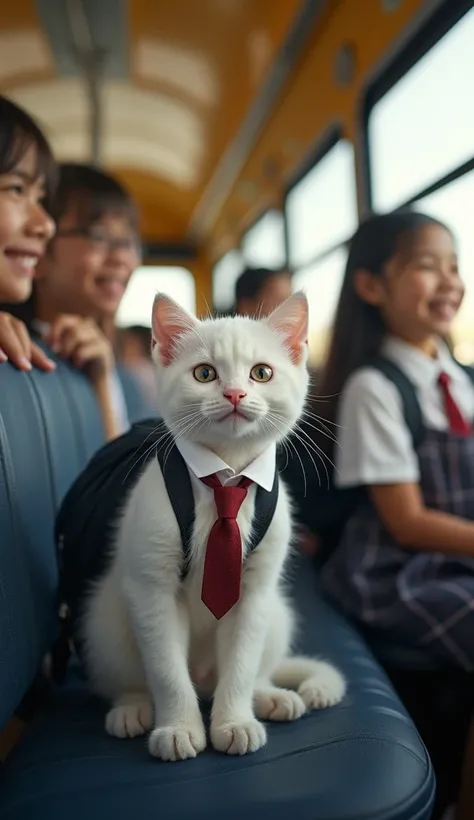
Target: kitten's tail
319 683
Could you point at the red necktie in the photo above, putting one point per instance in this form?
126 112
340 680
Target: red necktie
457 422
223 562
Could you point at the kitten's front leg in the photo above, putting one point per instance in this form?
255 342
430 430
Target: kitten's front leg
162 631
240 642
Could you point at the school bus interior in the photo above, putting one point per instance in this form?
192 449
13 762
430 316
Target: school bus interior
256 133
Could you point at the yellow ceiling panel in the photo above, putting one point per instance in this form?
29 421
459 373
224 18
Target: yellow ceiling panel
24 50
194 69
205 60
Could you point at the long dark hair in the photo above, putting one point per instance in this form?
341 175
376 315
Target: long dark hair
18 132
359 328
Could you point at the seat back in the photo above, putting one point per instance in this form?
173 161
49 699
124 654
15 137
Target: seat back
49 427
138 406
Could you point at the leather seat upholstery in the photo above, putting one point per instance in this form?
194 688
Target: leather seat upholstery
362 759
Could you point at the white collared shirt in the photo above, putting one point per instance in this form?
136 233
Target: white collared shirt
203 462
375 443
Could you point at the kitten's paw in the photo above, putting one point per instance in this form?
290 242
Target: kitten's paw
327 688
177 742
130 719
278 704
238 738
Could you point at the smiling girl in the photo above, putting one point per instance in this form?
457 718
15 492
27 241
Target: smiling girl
405 564
27 181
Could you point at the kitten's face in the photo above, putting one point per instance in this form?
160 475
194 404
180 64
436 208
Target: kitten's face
234 378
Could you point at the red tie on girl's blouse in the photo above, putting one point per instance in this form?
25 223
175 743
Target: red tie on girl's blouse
223 562
457 422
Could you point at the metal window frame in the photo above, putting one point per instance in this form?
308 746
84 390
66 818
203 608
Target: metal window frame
258 219
332 136
421 38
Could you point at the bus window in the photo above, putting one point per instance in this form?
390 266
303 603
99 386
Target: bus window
176 282
224 276
263 246
423 127
321 212
322 283
321 209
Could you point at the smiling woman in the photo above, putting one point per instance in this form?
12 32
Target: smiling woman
27 174
96 248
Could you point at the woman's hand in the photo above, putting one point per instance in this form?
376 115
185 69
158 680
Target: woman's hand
16 346
83 343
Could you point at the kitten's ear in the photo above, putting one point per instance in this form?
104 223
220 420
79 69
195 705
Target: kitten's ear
169 321
291 320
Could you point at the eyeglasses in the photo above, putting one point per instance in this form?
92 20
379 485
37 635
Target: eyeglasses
104 243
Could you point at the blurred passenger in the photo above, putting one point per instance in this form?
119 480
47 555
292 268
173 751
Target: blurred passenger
95 250
404 565
134 344
81 281
258 291
27 180
134 349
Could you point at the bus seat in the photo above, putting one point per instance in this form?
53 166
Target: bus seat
138 406
82 406
49 426
362 759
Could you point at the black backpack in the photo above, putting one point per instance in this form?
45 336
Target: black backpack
322 507
84 533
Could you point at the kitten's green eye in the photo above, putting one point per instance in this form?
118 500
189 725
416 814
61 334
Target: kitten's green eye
204 373
261 373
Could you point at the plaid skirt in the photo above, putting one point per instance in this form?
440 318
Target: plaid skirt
419 599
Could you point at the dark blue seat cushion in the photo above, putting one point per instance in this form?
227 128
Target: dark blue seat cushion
49 427
18 633
362 759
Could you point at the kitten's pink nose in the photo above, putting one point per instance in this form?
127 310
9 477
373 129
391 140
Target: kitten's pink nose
234 395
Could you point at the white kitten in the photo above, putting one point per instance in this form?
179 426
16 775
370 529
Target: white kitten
151 644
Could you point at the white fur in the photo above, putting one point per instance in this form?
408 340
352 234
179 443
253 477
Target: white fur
151 645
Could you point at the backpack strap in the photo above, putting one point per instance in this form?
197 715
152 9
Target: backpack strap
411 407
410 404
265 506
180 492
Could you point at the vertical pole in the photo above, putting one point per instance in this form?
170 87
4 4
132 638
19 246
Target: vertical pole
90 62
95 108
